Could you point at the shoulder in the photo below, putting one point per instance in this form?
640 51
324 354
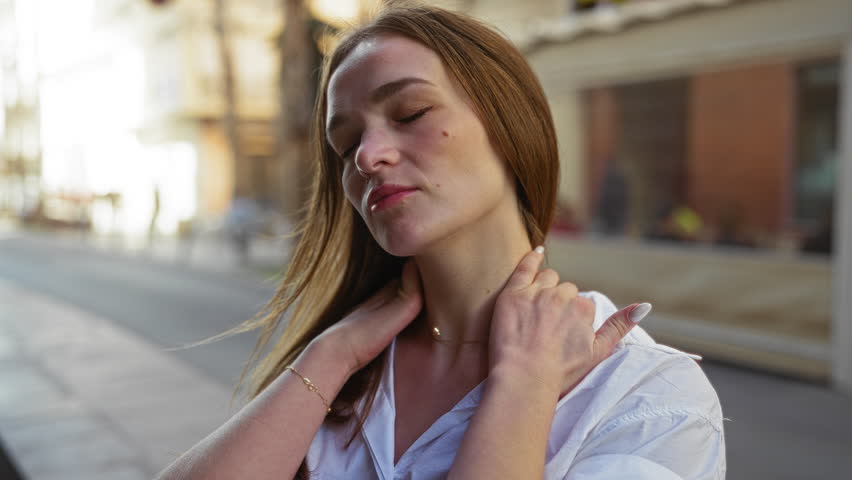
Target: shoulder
648 380
648 400
644 378
652 405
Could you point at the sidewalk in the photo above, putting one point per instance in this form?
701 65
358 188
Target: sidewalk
210 250
83 399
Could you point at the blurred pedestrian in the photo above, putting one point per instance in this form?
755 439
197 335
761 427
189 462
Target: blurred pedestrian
241 223
422 338
155 215
613 204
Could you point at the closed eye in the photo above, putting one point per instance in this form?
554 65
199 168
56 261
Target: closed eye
407 119
415 115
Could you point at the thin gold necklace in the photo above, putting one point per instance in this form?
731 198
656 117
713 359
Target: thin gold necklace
436 336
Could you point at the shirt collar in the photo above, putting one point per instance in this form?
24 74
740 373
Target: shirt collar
378 431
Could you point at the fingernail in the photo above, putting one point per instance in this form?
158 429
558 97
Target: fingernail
639 312
539 249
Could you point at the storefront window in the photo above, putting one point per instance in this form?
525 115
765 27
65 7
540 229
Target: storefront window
639 186
708 159
815 163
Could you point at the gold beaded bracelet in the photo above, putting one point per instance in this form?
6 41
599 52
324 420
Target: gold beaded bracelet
311 387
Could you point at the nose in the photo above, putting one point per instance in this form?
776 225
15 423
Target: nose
375 152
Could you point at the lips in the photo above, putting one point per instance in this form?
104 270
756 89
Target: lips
384 191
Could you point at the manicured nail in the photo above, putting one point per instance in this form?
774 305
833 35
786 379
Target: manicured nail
539 249
639 312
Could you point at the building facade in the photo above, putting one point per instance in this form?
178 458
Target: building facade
184 92
20 119
120 126
702 147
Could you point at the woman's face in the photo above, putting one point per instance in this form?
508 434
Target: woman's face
418 165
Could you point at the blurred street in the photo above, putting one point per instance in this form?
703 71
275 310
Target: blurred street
88 389
96 323
168 304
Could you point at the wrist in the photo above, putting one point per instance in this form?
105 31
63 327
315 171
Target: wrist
330 350
324 366
528 381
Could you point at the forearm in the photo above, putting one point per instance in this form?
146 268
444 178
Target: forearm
269 436
507 437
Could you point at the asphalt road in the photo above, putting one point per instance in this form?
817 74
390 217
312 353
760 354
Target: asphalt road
779 428
170 305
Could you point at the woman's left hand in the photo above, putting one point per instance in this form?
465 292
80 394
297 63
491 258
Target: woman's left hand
543 329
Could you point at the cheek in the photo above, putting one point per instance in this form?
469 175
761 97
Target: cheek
353 187
479 172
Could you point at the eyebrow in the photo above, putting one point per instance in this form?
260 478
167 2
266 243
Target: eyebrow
379 94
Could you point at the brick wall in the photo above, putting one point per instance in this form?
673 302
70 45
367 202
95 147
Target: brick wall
740 132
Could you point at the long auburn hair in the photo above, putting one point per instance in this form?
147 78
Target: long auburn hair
336 263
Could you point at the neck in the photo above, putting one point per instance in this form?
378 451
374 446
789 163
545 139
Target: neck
462 277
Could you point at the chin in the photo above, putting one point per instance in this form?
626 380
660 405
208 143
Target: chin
400 247
402 242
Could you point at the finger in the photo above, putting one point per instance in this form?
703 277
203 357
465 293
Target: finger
410 284
527 268
617 327
547 278
567 290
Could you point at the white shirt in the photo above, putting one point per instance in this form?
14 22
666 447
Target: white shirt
646 412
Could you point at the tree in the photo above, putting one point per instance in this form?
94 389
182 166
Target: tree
229 116
300 59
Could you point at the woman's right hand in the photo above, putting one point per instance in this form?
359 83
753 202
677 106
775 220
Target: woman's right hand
363 334
542 328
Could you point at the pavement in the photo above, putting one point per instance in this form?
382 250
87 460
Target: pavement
84 398
210 251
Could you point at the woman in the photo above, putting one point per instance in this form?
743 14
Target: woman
437 168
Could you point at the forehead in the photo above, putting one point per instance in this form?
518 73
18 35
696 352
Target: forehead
378 60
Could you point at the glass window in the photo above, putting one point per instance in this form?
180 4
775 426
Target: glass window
709 159
640 170
815 161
